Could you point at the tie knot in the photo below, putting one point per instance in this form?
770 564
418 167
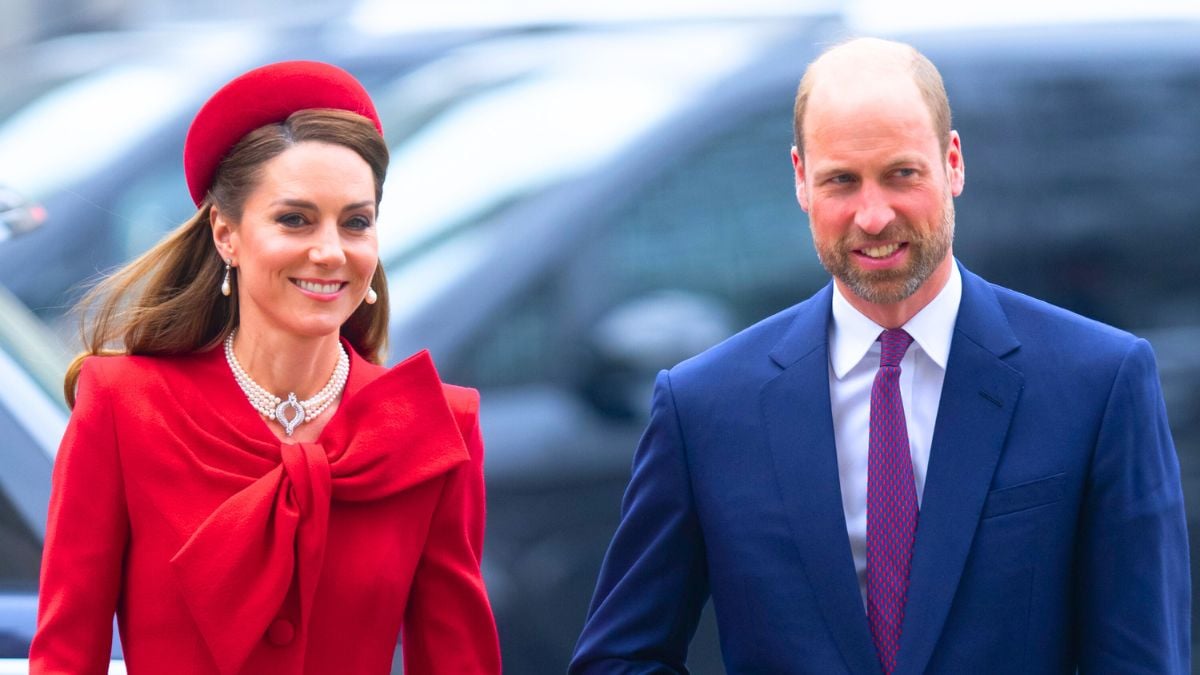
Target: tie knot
895 342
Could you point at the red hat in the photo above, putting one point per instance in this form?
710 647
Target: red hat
263 96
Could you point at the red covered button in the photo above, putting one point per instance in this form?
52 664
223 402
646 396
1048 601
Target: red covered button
281 633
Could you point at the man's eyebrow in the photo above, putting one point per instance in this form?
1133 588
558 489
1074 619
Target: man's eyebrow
830 169
908 159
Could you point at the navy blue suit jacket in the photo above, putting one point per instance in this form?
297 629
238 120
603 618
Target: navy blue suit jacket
1051 535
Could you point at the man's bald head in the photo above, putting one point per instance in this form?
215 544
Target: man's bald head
868 63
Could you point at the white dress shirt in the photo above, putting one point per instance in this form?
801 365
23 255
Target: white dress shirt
853 362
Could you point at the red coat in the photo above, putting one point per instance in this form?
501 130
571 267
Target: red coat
223 550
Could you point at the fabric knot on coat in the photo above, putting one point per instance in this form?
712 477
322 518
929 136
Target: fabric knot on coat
267 540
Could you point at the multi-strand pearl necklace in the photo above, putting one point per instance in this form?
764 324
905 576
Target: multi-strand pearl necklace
274 408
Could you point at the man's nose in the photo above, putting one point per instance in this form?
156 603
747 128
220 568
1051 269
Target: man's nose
874 212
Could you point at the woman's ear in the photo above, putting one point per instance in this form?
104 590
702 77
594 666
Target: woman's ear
222 233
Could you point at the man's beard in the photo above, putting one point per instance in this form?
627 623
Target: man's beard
886 287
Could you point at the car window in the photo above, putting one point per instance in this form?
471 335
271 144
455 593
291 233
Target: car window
522 346
487 127
721 222
1079 177
715 240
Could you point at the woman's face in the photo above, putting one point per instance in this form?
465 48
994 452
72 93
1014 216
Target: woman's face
305 249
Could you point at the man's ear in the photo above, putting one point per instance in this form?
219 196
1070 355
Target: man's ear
955 167
801 190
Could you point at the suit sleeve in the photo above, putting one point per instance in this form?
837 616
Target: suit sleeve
86 536
1134 589
654 581
449 627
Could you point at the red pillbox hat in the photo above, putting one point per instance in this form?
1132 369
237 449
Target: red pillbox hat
263 96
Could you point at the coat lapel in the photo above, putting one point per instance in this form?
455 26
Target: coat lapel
979 396
799 426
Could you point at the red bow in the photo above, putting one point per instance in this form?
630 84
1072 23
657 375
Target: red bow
236 570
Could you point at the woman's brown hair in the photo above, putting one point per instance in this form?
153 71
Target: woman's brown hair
167 301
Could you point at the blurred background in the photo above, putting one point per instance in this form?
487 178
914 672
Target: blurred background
581 194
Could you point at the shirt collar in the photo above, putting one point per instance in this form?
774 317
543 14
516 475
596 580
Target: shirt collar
851 333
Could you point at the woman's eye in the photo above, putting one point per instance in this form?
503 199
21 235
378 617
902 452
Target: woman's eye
292 220
358 223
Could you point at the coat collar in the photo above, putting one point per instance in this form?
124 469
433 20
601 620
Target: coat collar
979 395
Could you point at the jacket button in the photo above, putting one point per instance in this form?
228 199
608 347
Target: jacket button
281 633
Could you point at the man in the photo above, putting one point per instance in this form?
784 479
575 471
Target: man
913 471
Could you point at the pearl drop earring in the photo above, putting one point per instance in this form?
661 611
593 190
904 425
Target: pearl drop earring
372 296
226 287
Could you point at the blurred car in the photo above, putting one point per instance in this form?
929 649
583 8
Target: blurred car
570 209
32 418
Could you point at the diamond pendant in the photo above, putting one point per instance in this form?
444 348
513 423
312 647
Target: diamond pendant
290 424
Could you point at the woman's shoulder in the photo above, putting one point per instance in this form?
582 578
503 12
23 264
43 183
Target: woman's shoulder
126 365
120 385
132 374
420 373
462 400
415 382
120 368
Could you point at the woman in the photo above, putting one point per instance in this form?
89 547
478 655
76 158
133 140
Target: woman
240 481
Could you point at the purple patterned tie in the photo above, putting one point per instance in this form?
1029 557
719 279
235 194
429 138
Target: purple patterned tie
891 503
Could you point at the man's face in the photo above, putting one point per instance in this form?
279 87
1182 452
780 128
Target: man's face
878 188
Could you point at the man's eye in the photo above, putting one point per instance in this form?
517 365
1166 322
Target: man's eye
842 179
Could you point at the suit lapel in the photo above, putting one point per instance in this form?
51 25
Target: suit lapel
979 396
799 427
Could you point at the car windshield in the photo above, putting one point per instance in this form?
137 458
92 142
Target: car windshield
485 128
48 143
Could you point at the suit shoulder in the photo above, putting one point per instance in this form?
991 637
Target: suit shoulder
1037 323
1059 346
738 355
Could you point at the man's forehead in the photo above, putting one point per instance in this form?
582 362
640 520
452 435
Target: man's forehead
866 99
885 116
862 71
864 55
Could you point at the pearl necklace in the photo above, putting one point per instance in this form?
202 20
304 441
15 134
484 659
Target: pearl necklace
274 408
